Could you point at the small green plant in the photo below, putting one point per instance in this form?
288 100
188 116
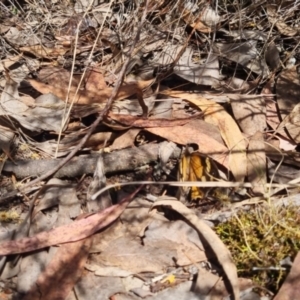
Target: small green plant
259 239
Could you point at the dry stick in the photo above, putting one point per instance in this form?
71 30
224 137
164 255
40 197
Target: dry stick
96 122
66 115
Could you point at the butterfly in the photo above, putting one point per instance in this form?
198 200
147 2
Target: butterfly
195 166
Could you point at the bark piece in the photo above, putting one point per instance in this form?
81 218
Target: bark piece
118 161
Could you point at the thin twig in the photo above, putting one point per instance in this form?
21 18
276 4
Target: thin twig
102 114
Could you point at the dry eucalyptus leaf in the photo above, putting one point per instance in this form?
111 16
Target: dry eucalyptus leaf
291 123
75 231
102 239
163 109
205 135
90 287
4 28
249 112
9 61
208 20
219 249
209 16
132 223
272 56
245 54
44 52
55 76
168 54
271 109
30 269
33 265
45 112
234 85
288 90
178 234
286 145
206 73
14 36
256 163
87 97
200 26
246 34
240 52
6 138
129 254
274 17
95 80
67 265
216 115
132 106
125 140
285 173
50 197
